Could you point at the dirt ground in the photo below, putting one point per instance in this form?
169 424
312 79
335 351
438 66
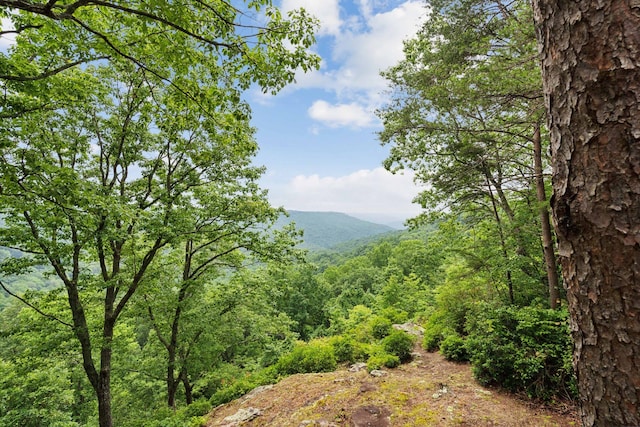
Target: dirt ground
429 391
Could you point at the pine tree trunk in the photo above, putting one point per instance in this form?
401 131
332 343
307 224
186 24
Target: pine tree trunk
545 224
590 54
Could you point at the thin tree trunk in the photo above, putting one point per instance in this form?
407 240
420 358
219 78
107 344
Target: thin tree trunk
503 244
172 384
547 237
590 67
188 388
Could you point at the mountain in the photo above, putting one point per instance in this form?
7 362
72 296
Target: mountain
323 230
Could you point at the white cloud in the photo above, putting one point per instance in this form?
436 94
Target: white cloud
368 43
364 54
327 12
374 193
339 115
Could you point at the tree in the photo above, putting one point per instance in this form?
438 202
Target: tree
465 115
118 171
230 229
115 116
201 323
246 42
590 69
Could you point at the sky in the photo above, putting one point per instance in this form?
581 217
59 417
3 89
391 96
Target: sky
318 137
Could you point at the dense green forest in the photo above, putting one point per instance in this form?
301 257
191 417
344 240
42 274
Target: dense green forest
146 278
251 326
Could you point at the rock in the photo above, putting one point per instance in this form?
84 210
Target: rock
241 416
357 367
371 416
410 328
317 423
377 373
256 391
443 390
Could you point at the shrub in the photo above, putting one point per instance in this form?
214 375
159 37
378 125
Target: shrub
380 360
380 327
522 349
435 331
216 379
395 315
315 356
454 348
232 391
347 349
400 344
198 408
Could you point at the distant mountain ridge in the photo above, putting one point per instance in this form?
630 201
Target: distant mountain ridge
323 230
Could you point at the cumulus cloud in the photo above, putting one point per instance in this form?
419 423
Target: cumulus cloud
363 54
363 45
376 193
326 11
339 115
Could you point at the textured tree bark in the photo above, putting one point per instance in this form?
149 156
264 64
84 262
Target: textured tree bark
545 224
590 52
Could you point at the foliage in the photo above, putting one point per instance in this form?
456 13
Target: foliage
380 327
380 360
125 135
454 348
298 292
522 349
315 356
347 349
399 343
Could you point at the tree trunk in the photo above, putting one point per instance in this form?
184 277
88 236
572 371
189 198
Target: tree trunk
547 237
590 60
104 404
503 244
188 387
172 385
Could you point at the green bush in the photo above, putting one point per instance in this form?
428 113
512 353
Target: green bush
380 327
198 408
400 344
395 315
315 356
218 378
435 331
522 349
347 349
232 391
380 360
454 348
239 387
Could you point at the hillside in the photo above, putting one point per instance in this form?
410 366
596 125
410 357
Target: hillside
429 391
323 230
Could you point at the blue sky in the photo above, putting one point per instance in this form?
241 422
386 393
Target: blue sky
318 137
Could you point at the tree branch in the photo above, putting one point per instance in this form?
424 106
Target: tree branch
49 73
28 304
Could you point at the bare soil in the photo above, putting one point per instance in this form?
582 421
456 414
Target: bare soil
429 391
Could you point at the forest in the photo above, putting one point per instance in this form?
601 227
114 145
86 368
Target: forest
145 278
